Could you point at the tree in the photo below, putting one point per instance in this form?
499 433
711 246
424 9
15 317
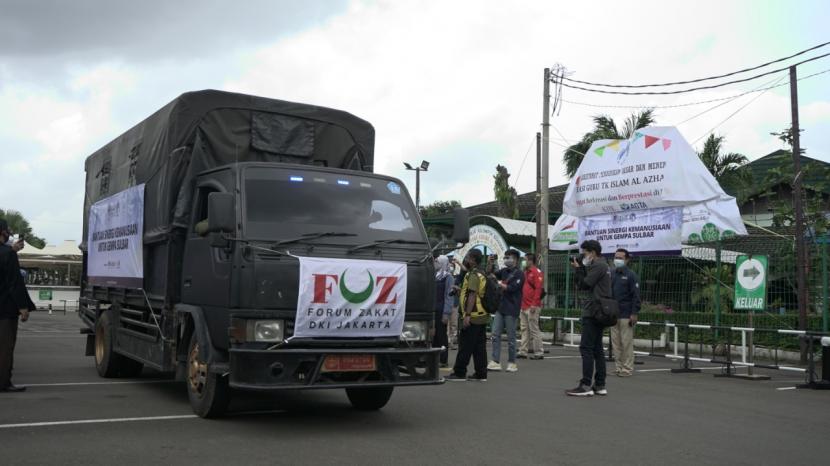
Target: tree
435 210
19 225
439 208
506 195
604 128
728 169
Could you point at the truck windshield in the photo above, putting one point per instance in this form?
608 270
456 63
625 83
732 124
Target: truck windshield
282 203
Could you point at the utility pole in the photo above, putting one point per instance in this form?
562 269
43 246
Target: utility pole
800 249
543 198
539 243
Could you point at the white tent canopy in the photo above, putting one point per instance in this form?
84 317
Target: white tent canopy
518 227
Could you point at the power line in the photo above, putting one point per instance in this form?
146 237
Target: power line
516 181
684 91
729 117
777 80
690 104
700 79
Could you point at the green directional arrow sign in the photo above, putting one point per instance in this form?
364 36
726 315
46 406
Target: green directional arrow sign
751 283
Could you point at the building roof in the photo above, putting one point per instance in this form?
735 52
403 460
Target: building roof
526 204
815 171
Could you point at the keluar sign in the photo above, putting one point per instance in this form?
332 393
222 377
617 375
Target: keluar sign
350 298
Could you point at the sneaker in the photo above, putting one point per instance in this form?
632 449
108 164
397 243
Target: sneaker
521 356
493 366
443 365
581 390
537 357
600 390
512 367
623 374
455 378
475 378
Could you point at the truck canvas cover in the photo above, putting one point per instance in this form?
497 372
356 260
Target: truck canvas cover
205 129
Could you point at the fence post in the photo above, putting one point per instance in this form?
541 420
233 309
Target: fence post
717 287
567 286
824 285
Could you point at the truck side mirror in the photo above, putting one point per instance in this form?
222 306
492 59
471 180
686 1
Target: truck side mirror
461 226
221 213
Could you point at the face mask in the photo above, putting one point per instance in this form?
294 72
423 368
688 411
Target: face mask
619 263
587 261
509 262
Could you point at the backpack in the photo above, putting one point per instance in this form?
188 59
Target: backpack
492 295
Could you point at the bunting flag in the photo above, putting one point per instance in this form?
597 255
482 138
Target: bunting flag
614 145
666 143
637 136
650 140
600 150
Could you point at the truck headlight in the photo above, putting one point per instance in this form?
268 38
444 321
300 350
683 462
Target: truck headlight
266 330
414 331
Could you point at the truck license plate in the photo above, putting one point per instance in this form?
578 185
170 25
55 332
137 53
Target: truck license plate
349 363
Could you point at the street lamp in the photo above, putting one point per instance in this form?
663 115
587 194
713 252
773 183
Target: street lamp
422 168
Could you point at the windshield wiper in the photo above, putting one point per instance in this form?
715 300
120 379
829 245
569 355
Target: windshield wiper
309 236
383 241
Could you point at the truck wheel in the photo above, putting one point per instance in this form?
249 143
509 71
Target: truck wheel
208 392
109 363
369 398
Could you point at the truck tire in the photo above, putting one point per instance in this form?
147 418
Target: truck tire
208 392
108 363
369 398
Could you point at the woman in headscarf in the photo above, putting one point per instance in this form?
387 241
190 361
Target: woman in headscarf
443 305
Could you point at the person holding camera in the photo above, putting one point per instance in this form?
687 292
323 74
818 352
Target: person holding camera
15 305
593 278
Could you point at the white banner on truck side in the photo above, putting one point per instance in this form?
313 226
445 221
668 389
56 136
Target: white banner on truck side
350 298
114 243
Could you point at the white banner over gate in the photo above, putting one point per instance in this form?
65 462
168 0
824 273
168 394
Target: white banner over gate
350 298
644 231
703 222
655 168
115 240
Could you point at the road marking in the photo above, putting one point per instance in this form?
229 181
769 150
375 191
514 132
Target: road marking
97 421
561 357
72 384
787 388
653 370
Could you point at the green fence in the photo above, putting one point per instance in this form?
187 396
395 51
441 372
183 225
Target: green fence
698 286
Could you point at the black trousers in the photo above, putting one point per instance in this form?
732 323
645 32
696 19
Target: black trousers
440 339
8 338
472 342
593 356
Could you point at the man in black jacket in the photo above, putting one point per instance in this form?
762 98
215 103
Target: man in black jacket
594 279
626 287
14 304
511 281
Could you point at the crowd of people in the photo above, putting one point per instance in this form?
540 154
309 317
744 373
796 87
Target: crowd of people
462 317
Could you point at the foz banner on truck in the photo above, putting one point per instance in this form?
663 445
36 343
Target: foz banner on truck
114 241
350 298
655 168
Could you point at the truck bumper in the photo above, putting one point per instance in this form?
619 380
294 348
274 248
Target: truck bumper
303 368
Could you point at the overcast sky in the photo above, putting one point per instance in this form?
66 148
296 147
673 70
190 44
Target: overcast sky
456 83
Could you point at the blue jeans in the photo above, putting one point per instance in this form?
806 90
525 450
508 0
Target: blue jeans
593 356
501 321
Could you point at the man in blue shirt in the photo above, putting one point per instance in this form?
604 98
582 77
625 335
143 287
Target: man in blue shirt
626 288
511 280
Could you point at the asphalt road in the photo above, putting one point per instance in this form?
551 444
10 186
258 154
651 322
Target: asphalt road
71 416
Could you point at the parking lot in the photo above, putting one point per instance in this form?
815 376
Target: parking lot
69 415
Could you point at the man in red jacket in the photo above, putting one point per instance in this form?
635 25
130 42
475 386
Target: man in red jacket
531 306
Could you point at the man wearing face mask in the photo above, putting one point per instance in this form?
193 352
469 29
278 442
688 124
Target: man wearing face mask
626 289
511 280
443 305
594 280
15 305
